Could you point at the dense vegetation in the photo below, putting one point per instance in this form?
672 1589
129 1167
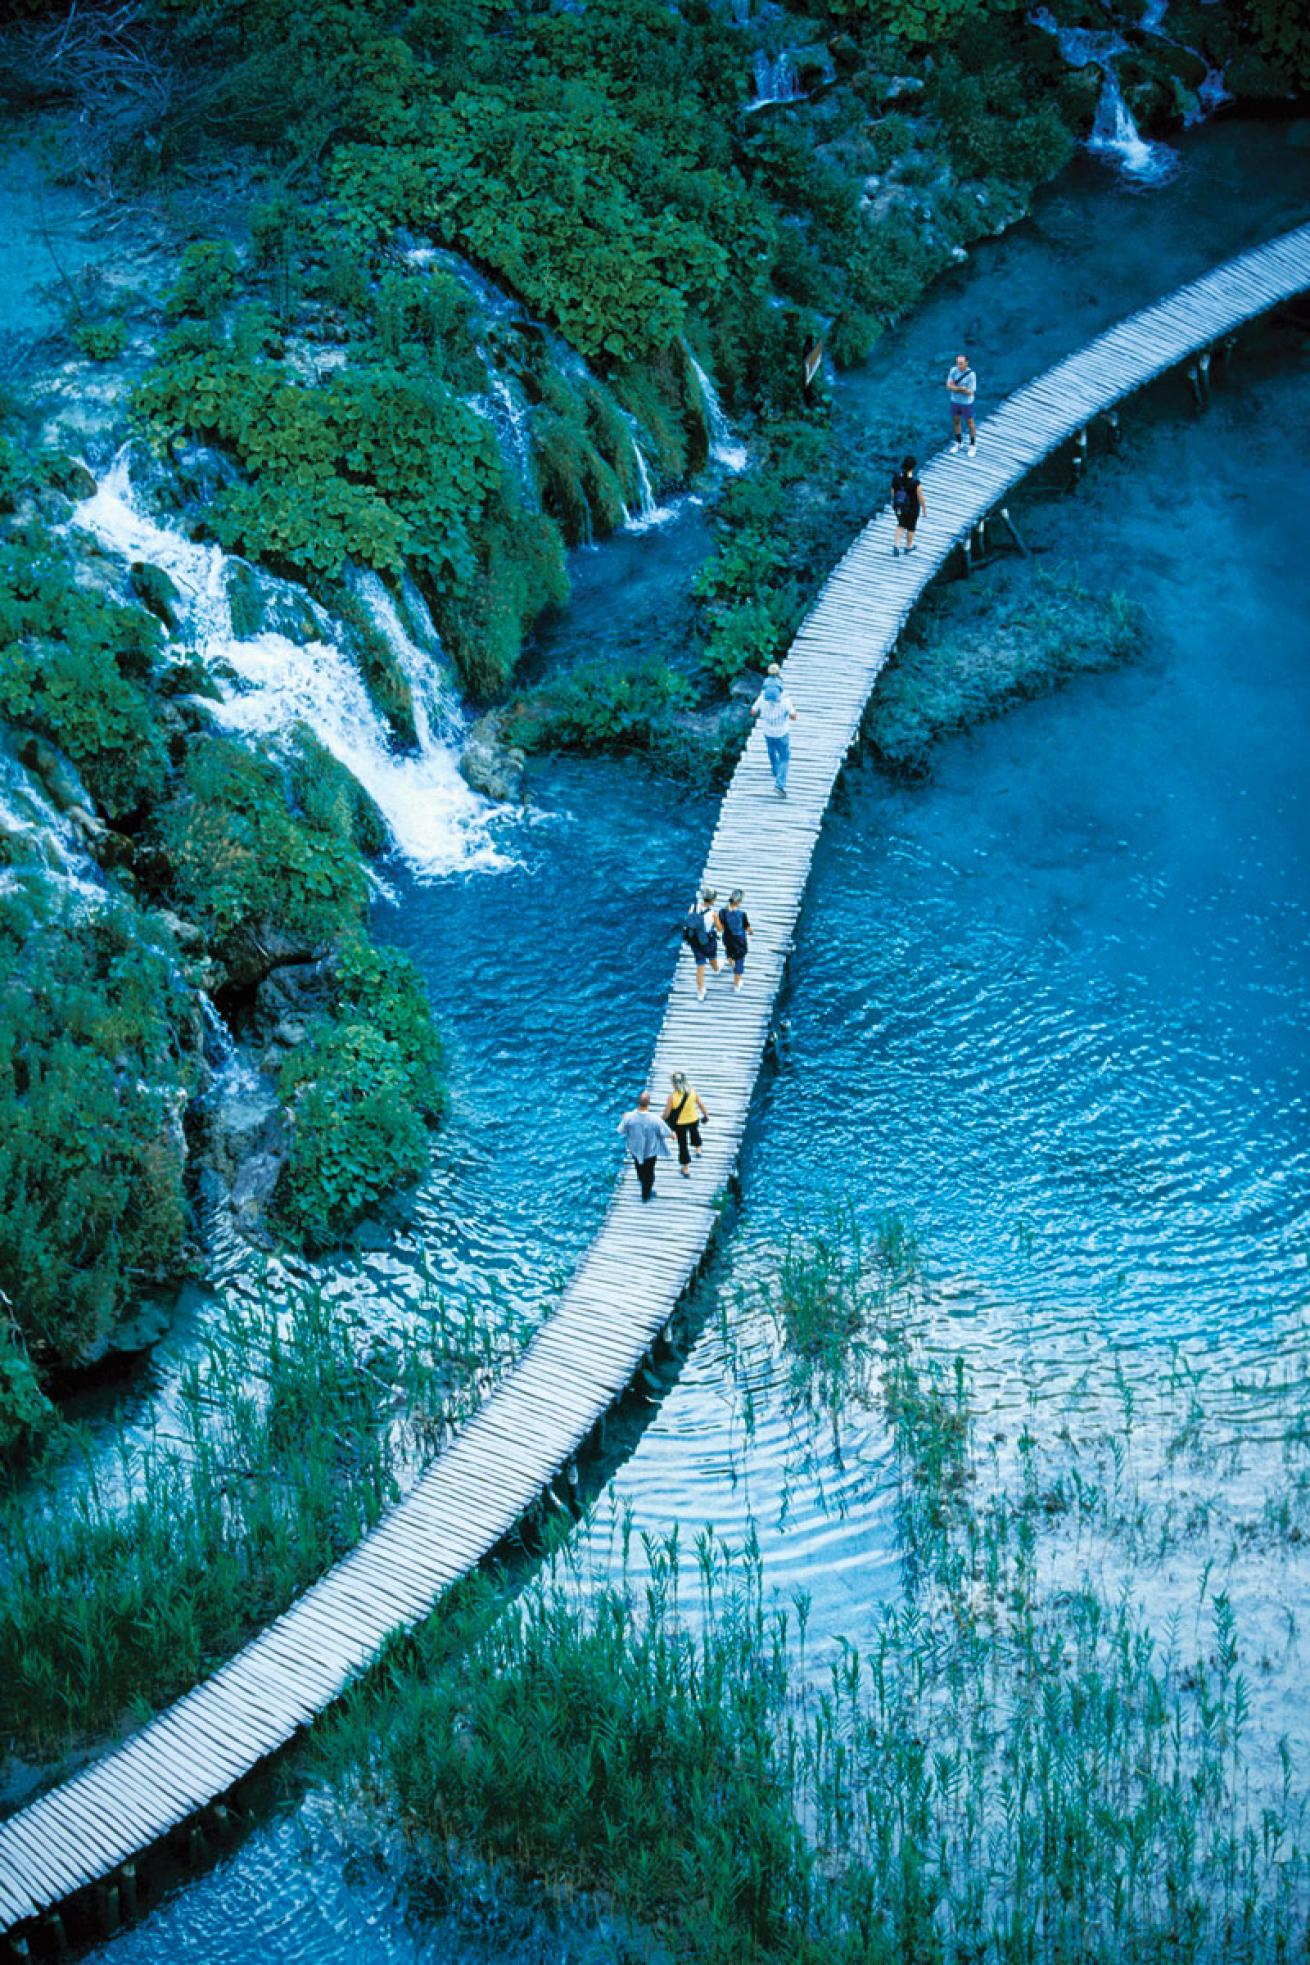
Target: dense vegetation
1013 1768
292 1433
441 281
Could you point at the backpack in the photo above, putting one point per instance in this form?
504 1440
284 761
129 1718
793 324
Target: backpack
772 690
694 932
900 492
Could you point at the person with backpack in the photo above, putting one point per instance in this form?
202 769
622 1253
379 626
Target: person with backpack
908 503
700 931
775 709
961 389
736 926
684 1111
647 1140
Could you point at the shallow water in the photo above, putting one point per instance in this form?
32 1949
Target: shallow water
1048 1005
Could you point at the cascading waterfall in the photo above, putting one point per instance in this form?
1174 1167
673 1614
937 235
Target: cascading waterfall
271 684
649 511
776 80
1114 132
725 448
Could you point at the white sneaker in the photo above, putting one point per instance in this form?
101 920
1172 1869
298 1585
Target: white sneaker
700 992
973 450
956 447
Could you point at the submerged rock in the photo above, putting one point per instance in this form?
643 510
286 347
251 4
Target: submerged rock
493 766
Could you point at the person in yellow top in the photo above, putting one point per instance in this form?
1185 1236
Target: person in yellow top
684 1112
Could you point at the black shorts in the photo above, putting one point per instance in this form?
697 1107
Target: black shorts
908 518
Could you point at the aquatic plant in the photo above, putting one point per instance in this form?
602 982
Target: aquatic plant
127 1579
974 650
1014 1767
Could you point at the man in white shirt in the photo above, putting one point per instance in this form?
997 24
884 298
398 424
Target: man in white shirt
776 711
961 388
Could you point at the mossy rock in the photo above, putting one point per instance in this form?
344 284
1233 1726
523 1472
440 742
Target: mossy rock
245 600
155 590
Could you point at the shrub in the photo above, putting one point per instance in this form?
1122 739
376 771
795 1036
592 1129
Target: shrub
206 280
25 1411
70 663
362 1091
101 341
598 706
243 855
97 1055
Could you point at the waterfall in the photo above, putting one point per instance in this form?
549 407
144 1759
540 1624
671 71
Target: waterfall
271 684
649 512
1114 132
725 448
776 80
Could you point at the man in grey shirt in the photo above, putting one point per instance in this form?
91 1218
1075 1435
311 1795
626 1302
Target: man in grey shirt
647 1140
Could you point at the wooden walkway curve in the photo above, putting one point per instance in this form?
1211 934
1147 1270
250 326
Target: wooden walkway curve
644 1257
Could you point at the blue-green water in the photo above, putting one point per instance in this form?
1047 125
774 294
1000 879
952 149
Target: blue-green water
1049 1005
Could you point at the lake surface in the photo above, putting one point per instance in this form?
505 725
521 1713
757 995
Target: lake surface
1048 1006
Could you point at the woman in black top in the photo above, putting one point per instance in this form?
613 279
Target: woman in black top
735 923
907 503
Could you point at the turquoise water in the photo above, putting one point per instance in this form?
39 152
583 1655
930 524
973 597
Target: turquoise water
1048 1005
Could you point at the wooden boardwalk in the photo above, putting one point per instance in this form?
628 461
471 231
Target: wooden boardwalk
644 1257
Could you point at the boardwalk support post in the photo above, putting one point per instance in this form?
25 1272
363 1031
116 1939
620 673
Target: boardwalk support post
1015 533
1080 455
1194 381
966 547
127 1889
108 1909
56 1937
1116 429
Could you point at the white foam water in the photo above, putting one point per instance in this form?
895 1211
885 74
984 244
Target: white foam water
271 684
725 447
1114 133
776 80
649 511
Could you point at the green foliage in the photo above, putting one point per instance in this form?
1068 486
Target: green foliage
362 1091
1015 1767
206 280
72 661
378 465
597 706
103 340
1282 30
98 1049
25 1411
245 854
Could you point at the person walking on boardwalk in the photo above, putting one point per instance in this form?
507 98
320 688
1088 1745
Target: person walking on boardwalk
908 503
684 1111
700 931
962 388
776 711
647 1140
736 926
